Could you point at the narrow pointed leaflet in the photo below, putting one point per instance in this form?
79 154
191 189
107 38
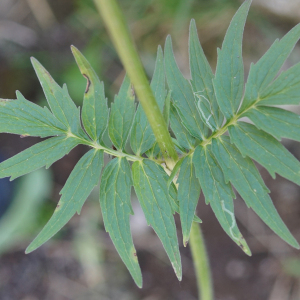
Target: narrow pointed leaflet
94 109
229 78
266 150
264 71
142 137
121 115
150 184
116 208
175 203
183 96
202 82
28 119
182 135
284 90
276 121
84 177
75 123
188 196
244 176
59 101
218 193
42 154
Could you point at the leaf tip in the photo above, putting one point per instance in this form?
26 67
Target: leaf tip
18 94
179 275
75 52
169 40
243 245
35 62
192 24
159 49
294 244
73 48
138 280
178 270
248 252
29 249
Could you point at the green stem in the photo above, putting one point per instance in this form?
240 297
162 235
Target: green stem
114 21
116 25
201 263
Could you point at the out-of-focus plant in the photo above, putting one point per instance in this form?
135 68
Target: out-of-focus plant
167 172
21 217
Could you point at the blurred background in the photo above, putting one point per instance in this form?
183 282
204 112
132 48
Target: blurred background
80 262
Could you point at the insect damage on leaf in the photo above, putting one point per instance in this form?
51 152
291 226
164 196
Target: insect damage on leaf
88 84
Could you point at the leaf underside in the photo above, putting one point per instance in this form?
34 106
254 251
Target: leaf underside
244 176
188 195
116 208
94 110
195 109
229 79
84 177
150 184
218 193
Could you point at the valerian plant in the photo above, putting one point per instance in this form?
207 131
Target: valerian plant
199 112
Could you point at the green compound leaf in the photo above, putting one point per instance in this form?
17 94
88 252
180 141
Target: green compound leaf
285 90
184 139
94 109
121 115
197 108
28 119
59 100
42 154
116 208
202 82
142 137
276 121
229 79
188 196
150 184
263 72
244 176
266 150
84 177
183 96
218 193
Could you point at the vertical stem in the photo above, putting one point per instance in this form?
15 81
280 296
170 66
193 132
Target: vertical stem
114 21
117 27
201 263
